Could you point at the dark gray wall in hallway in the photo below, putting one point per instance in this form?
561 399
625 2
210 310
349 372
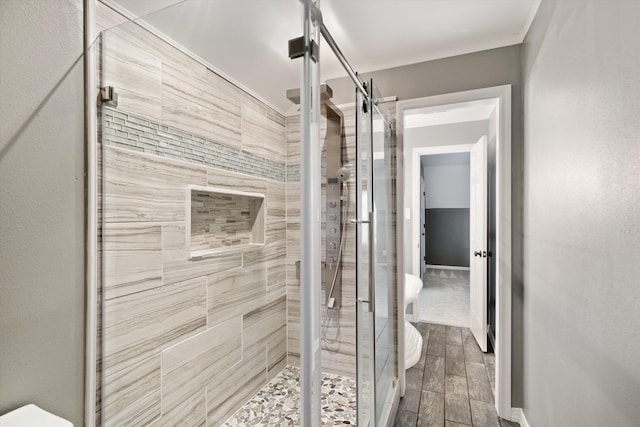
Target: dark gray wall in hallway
42 206
582 221
488 68
448 237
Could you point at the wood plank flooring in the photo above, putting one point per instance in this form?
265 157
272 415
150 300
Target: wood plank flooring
452 384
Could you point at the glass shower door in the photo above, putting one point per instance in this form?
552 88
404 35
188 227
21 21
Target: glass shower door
376 308
365 333
384 257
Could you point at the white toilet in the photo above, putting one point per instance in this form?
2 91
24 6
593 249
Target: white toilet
412 338
32 416
412 287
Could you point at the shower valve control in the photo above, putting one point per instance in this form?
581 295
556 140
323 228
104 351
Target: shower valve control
333 217
332 204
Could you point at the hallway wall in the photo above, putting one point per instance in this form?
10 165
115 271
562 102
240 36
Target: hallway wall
581 214
42 206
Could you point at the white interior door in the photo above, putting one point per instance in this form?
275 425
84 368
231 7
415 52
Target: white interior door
478 257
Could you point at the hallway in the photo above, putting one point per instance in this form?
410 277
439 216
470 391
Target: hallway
453 383
444 298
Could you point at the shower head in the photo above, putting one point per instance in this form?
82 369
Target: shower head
343 174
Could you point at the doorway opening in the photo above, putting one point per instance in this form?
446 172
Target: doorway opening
444 238
489 108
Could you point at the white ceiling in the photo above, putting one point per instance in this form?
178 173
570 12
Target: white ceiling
246 40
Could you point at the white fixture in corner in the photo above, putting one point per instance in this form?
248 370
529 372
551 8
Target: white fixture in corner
412 338
32 416
412 346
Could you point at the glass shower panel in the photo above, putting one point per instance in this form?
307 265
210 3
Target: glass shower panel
310 275
364 271
376 262
188 339
383 257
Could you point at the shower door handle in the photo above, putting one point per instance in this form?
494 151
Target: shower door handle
359 221
370 299
372 262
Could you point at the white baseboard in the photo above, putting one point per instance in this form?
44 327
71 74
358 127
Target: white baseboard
447 267
517 415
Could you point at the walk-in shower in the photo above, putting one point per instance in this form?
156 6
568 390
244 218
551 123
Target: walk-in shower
247 242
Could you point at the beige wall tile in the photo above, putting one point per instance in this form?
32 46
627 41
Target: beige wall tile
264 333
133 69
181 111
140 325
339 363
276 201
142 187
293 139
236 181
132 258
133 393
262 325
174 242
293 202
276 278
217 100
192 412
276 352
141 413
192 364
276 257
235 292
262 135
226 394
177 271
107 18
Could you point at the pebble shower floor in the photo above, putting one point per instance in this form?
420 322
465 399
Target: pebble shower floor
278 402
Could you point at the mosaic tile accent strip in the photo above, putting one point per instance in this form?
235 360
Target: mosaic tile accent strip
278 403
293 173
125 130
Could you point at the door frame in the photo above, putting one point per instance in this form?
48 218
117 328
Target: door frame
423 225
503 223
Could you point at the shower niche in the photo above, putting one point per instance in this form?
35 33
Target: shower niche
221 220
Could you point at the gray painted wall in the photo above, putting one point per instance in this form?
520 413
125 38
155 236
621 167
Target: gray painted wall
582 214
42 206
488 68
448 185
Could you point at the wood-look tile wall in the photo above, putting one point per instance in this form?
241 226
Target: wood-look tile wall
188 342
339 357
183 342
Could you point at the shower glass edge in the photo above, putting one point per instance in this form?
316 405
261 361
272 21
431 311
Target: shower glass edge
310 227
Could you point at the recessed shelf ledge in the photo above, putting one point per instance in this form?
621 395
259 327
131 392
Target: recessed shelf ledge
209 253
